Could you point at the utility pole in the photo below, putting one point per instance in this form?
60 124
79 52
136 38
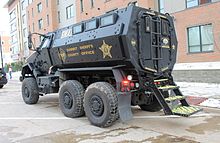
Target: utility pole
1 50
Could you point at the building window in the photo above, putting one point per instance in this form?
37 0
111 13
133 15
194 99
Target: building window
30 1
13 27
161 6
12 15
193 3
33 28
58 16
24 32
69 12
40 23
81 4
22 5
47 3
92 3
39 7
28 15
32 12
58 2
200 39
48 20
23 19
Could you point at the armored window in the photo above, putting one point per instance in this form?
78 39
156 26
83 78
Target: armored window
91 25
200 39
108 20
78 29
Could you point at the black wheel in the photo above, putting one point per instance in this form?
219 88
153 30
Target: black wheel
101 104
1 86
153 106
71 96
30 92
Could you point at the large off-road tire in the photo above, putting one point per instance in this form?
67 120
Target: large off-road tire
1 86
101 104
154 106
71 96
30 91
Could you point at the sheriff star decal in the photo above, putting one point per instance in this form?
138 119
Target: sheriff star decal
62 55
106 50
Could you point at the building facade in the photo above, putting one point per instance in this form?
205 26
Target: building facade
66 12
24 39
198 32
41 18
6 48
18 29
14 22
86 9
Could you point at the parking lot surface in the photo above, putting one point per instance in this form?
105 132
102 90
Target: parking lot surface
44 123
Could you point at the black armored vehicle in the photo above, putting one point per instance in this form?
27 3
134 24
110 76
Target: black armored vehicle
103 66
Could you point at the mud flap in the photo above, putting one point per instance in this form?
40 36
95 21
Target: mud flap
124 106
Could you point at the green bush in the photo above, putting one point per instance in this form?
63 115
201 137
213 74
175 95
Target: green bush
17 66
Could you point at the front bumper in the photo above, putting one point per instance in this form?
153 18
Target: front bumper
3 80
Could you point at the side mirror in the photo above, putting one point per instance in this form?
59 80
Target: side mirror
30 44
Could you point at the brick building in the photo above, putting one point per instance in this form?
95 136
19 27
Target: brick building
6 47
41 17
86 9
15 29
198 33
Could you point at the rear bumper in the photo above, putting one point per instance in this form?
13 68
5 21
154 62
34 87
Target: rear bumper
3 81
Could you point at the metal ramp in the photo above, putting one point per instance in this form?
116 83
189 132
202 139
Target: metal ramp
171 99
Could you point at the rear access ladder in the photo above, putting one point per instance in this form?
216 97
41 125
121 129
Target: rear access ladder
171 99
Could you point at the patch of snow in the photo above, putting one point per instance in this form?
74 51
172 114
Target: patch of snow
200 89
197 66
211 103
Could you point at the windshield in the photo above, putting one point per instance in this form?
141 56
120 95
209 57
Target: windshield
46 43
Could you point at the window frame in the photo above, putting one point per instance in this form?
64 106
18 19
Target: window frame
39 7
40 27
69 13
200 38
81 6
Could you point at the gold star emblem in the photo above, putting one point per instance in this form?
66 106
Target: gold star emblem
106 50
62 55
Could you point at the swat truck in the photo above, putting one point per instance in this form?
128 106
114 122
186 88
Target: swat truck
103 66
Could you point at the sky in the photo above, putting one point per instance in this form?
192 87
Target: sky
4 22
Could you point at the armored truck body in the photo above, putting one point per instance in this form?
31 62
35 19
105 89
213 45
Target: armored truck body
102 66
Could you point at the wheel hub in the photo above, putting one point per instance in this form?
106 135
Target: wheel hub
68 100
96 105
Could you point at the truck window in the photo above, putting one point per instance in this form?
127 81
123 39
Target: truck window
107 20
78 29
90 25
46 43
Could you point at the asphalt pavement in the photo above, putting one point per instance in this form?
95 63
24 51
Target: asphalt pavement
44 123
